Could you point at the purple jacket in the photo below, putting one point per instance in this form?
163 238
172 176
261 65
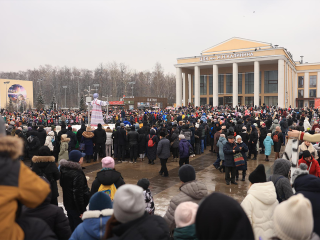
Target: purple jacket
184 148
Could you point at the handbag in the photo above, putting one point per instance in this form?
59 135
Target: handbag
238 159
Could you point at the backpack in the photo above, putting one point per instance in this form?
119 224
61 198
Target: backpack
151 143
108 189
275 138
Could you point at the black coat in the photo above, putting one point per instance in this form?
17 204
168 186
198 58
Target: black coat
73 139
107 177
42 135
144 228
45 166
228 153
152 151
33 145
277 145
245 137
121 137
79 133
99 136
52 215
133 138
142 142
74 185
263 133
253 137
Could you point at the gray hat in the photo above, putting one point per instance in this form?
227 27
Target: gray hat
128 203
121 124
302 170
2 127
181 136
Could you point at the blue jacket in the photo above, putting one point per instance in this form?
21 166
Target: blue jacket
243 152
184 148
228 154
220 143
92 227
268 142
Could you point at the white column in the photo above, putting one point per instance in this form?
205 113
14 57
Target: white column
281 83
306 88
178 87
256 83
295 89
215 97
184 89
189 88
235 84
318 85
197 86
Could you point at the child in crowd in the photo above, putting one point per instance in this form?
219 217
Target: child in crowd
144 183
268 143
64 145
185 216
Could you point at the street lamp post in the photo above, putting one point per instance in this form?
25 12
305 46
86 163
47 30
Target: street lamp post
65 96
108 103
78 90
131 83
6 92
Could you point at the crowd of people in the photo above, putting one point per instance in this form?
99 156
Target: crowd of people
273 208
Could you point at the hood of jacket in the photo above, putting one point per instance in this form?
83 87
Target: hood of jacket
195 189
88 134
109 130
264 192
223 140
108 177
276 121
281 167
51 134
268 138
188 232
70 164
307 183
38 159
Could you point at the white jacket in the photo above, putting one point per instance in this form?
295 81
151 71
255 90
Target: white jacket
259 206
306 124
48 142
109 139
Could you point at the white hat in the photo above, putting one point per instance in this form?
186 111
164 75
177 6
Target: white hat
185 214
293 219
181 136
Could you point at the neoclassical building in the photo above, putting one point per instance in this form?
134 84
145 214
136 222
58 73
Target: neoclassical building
246 72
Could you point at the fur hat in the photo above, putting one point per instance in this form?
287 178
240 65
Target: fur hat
185 214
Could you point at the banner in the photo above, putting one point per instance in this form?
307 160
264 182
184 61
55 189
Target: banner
116 102
317 102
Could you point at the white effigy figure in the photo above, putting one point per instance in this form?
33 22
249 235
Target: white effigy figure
96 112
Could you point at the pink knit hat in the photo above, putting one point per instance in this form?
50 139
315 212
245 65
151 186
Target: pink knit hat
107 162
185 214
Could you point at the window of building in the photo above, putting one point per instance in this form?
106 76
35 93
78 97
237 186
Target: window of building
228 100
311 103
240 83
239 100
220 101
249 101
249 83
313 82
300 93
203 85
312 92
221 84
300 81
271 81
210 84
203 101
229 83
271 100
300 103
210 101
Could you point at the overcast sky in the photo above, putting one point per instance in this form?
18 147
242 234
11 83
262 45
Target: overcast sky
140 33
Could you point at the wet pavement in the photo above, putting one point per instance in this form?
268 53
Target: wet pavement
163 189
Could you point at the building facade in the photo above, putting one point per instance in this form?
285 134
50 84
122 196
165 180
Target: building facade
246 72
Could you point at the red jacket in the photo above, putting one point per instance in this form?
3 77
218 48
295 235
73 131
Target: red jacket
314 169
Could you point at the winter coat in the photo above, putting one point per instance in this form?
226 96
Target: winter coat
18 185
238 127
220 144
109 139
142 141
50 141
192 191
99 135
281 170
315 126
184 146
306 125
33 145
149 201
311 149
144 228
45 166
228 153
277 145
187 133
133 138
215 141
245 137
313 166
244 149
185 233
121 137
74 185
64 146
42 136
93 225
175 138
268 143
80 131
87 139
263 134
52 215
309 186
259 206
152 151
107 177
253 137
274 125
163 149
284 125
73 139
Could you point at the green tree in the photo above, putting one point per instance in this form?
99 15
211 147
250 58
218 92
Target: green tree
40 101
83 105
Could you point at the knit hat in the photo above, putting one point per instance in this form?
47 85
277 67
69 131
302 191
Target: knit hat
75 155
44 151
293 219
244 128
258 175
302 170
187 173
237 137
107 162
121 124
230 137
181 136
128 203
185 214
100 201
306 154
144 183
